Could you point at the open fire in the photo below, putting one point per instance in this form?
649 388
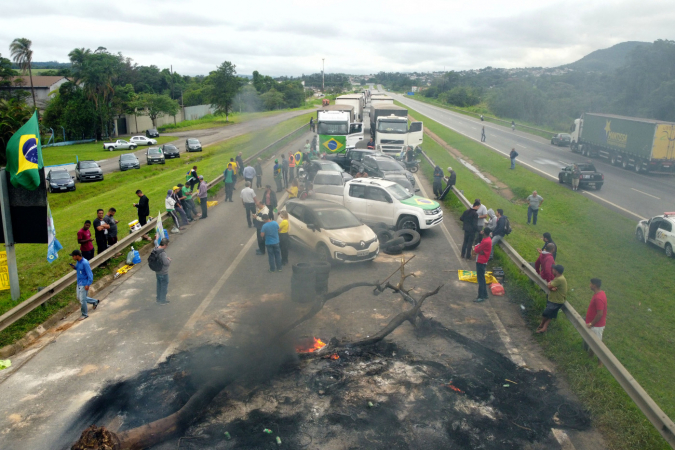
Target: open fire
309 345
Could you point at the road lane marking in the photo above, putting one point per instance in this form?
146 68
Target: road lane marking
649 195
521 145
615 205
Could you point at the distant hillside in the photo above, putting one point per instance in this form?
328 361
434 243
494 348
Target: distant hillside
46 65
607 59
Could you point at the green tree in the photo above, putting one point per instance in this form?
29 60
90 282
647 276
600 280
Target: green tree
224 86
6 74
272 99
157 105
22 54
71 109
13 114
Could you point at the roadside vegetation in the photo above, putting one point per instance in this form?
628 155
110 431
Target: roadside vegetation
93 150
593 241
70 210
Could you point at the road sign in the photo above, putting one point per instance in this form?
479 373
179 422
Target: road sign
4 272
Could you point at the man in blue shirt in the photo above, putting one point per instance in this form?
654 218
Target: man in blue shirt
270 232
85 278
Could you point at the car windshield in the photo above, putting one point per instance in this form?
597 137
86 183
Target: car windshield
330 165
60 176
586 167
154 151
565 136
333 128
336 218
388 164
152 130
328 179
398 192
170 148
128 157
193 141
88 165
390 126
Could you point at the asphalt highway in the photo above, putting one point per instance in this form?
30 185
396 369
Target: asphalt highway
634 195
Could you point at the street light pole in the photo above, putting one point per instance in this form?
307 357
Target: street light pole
323 86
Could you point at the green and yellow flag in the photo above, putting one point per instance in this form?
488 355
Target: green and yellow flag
332 144
24 155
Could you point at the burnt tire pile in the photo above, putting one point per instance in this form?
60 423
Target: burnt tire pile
395 242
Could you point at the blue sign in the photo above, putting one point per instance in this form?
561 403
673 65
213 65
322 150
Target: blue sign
410 93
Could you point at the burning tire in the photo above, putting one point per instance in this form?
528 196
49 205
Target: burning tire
412 238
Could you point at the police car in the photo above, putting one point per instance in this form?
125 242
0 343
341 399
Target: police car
658 230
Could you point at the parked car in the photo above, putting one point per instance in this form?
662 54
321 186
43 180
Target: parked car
332 231
659 231
119 144
561 139
88 171
129 161
382 166
170 151
152 133
321 164
142 140
589 176
193 145
59 180
154 155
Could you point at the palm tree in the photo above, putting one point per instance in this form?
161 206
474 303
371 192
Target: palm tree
23 56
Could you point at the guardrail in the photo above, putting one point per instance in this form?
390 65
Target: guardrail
649 408
62 283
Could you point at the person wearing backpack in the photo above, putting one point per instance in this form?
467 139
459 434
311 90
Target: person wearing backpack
159 263
502 229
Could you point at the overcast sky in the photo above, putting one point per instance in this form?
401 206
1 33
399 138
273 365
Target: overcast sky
290 37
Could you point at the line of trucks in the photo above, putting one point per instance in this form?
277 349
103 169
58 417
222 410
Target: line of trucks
643 145
340 126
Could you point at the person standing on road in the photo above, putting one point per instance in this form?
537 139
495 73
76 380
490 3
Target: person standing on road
143 207
277 175
101 231
482 251
452 178
170 205
229 177
248 199
86 241
438 182
535 202
576 175
470 222
269 199
513 155
513 126
284 169
284 242
482 135
240 163
159 262
112 224
258 173
500 230
249 174
260 212
311 124
482 215
556 297
85 278
543 265
270 232
596 314
482 118
203 196
234 169
549 240
291 167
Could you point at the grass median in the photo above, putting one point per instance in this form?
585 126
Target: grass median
593 241
70 210
68 154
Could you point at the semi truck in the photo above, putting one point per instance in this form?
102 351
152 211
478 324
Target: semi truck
336 129
355 100
643 145
390 130
378 99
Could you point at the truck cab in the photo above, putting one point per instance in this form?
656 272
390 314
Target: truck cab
393 134
336 132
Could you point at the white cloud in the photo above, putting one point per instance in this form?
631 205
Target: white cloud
291 37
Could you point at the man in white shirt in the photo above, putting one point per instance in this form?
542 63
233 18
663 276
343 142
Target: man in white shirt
249 200
482 214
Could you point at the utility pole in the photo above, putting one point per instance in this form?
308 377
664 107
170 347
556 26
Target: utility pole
323 86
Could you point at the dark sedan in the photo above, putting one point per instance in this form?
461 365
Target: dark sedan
88 171
193 145
170 151
129 161
561 140
588 176
59 180
154 155
152 133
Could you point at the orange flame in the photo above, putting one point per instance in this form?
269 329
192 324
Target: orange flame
456 389
310 346
334 356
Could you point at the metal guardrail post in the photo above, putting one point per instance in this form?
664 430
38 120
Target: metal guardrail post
649 408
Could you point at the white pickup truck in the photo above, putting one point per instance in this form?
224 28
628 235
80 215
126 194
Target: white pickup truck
374 200
119 144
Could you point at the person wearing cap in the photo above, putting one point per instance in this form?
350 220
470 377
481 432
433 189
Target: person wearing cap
269 199
229 177
203 195
438 182
249 174
556 297
258 173
277 175
85 277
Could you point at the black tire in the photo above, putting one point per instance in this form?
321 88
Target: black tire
638 166
552 142
624 163
378 226
395 242
412 238
598 187
613 160
384 236
560 180
414 169
323 253
321 268
395 246
303 268
669 250
408 222
639 235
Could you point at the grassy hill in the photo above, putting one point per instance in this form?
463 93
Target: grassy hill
606 59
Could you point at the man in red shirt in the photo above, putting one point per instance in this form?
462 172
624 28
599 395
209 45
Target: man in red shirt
483 251
545 261
85 241
597 313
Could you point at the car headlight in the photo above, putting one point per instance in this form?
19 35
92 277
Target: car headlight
429 212
337 242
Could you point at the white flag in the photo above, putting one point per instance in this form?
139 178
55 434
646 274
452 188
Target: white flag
159 230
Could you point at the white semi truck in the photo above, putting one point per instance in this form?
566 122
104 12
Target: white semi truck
390 130
355 100
336 129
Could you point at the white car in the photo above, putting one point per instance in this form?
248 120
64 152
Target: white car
142 140
658 230
331 230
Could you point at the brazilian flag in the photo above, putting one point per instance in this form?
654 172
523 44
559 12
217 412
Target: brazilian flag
298 158
333 144
24 155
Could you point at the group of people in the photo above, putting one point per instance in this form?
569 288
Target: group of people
439 177
105 233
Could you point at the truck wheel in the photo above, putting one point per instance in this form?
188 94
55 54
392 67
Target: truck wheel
669 250
638 166
613 159
624 163
110 149
639 235
408 222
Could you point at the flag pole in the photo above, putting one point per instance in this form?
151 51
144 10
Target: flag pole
9 237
